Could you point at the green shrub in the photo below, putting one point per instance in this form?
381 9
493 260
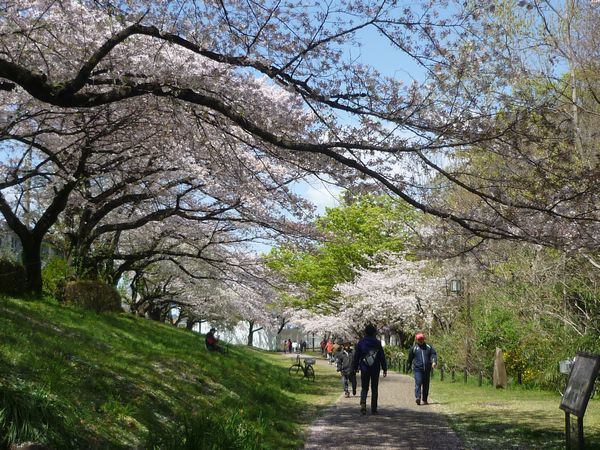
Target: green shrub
13 280
394 354
55 276
93 295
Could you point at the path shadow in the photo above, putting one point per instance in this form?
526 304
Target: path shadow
343 427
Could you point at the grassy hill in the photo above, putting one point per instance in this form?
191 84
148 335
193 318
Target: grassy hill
76 379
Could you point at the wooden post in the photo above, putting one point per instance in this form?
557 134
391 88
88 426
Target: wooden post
580 433
567 431
466 373
442 373
453 375
480 378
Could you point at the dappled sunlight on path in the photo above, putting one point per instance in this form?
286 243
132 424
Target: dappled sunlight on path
401 424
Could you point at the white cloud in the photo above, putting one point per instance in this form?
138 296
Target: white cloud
321 194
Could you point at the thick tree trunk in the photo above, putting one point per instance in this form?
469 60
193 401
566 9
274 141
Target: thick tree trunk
32 260
250 333
283 323
31 240
154 313
189 324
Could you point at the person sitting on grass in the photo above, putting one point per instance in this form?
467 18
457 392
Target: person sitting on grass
212 342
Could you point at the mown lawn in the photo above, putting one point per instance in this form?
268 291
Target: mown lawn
77 379
514 418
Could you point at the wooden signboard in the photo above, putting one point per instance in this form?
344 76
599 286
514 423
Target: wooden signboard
580 384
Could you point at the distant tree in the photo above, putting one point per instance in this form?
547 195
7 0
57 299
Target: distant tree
353 234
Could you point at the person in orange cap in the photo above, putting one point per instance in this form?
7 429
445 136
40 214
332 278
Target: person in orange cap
422 358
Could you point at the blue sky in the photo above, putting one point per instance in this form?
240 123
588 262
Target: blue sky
375 51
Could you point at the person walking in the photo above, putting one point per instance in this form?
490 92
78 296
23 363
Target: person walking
370 359
422 358
329 348
323 345
344 367
289 344
337 347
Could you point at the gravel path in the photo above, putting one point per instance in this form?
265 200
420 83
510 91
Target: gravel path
401 424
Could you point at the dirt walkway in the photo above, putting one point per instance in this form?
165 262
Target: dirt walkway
401 424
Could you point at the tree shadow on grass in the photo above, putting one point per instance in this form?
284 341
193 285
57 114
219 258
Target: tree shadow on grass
493 430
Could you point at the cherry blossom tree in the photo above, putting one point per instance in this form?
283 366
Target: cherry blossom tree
400 295
122 180
46 155
488 122
352 235
132 50
224 285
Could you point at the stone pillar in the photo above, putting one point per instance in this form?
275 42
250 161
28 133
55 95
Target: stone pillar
499 370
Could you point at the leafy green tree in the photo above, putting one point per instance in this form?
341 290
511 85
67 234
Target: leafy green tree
538 305
353 234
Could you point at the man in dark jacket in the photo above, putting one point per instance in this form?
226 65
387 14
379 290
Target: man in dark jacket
370 359
422 357
345 359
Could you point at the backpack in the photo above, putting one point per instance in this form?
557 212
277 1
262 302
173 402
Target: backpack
370 358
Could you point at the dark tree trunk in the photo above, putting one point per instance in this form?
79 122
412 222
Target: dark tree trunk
31 243
32 261
154 313
386 337
283 323
189 325
251 331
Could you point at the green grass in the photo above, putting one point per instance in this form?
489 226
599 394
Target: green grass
513 418
77 379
